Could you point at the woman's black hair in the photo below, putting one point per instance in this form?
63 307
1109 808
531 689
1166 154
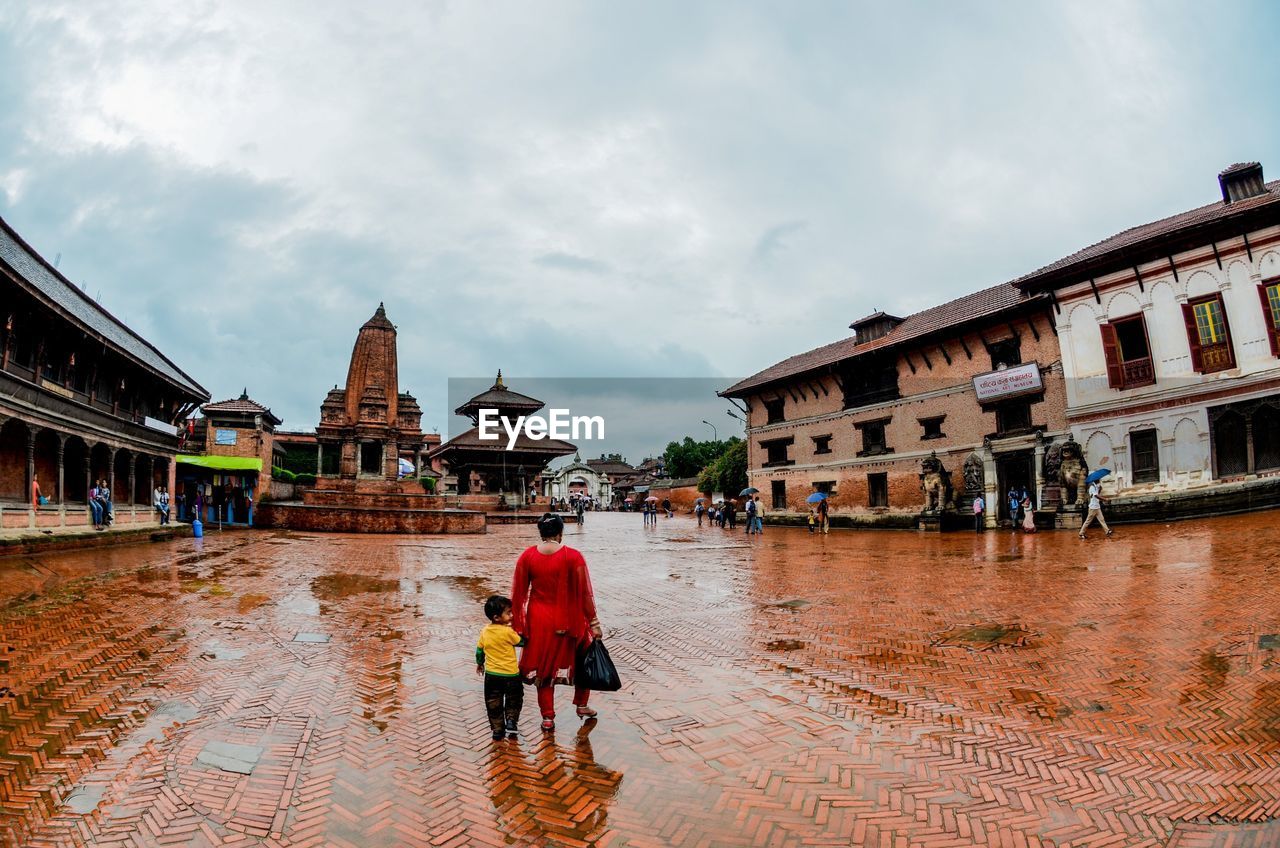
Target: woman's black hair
550 525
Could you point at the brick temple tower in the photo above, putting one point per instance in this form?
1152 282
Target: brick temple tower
367 425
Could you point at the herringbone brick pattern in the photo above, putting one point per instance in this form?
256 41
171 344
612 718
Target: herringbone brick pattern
881 689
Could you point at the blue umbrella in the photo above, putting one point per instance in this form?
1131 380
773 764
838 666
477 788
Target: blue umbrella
1095 476
750 490
816 497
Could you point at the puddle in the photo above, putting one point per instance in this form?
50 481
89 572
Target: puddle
984 636
785 645
793 604
332 587
476 588
250 602
85 800
216 650
302 604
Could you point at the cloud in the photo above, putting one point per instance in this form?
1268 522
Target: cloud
558 190
569 262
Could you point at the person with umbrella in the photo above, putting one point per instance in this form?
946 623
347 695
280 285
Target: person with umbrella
699 510
820 498
1094 481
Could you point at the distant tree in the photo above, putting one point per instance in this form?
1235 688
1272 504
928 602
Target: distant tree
687 458
728 473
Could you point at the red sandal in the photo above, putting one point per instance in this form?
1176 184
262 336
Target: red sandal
586 712
548 724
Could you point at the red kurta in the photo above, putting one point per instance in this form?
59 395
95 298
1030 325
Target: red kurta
553 607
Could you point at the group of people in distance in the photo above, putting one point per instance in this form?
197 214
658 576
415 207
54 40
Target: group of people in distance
1022 510
101 508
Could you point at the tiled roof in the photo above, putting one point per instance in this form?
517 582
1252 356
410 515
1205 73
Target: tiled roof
242 405
608 466
875 316
471 440
980 304
500 398
1134 236
32 267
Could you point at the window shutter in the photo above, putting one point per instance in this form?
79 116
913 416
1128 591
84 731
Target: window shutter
1193 337
1226 329
1111 350
1269 320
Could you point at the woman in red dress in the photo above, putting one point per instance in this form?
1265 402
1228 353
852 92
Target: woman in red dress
555 611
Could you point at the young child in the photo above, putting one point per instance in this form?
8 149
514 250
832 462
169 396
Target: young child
813 521
496 660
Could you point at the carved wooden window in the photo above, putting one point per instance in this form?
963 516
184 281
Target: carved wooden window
774 408
1208 334
873 438
932 427
1144 448
822 444
776 452
779 491
1128 353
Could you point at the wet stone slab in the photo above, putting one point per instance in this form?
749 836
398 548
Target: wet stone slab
230 756
312 638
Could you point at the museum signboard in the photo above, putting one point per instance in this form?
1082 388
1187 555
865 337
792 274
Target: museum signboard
1008 382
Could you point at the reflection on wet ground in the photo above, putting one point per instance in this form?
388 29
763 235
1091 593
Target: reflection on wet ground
874 688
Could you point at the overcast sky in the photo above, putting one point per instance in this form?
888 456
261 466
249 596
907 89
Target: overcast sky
594 189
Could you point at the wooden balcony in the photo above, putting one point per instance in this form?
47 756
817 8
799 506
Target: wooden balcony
1138 372
1216 357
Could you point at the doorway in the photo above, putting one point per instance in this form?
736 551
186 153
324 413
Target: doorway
1014 471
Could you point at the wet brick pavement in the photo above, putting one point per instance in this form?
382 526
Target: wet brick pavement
871 688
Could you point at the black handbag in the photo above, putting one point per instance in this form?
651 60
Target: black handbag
596 670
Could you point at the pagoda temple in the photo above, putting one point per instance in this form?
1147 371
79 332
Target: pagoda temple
488 466
365 426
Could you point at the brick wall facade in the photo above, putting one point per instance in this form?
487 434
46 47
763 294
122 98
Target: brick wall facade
813 409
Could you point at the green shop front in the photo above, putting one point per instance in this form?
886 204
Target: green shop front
218 489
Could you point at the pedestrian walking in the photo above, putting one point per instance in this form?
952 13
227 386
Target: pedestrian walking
824 516
1095 509
813 520
759 516
666 507
496 662
732 509
699 510
554 610
581 510
979 514
37 499
751 516
1028 514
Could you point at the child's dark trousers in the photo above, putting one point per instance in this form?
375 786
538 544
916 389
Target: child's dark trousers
503 698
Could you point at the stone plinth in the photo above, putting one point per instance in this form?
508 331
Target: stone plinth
1068 519
347 518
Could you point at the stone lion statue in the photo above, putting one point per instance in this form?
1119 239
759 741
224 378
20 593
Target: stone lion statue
936 481
1072 469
